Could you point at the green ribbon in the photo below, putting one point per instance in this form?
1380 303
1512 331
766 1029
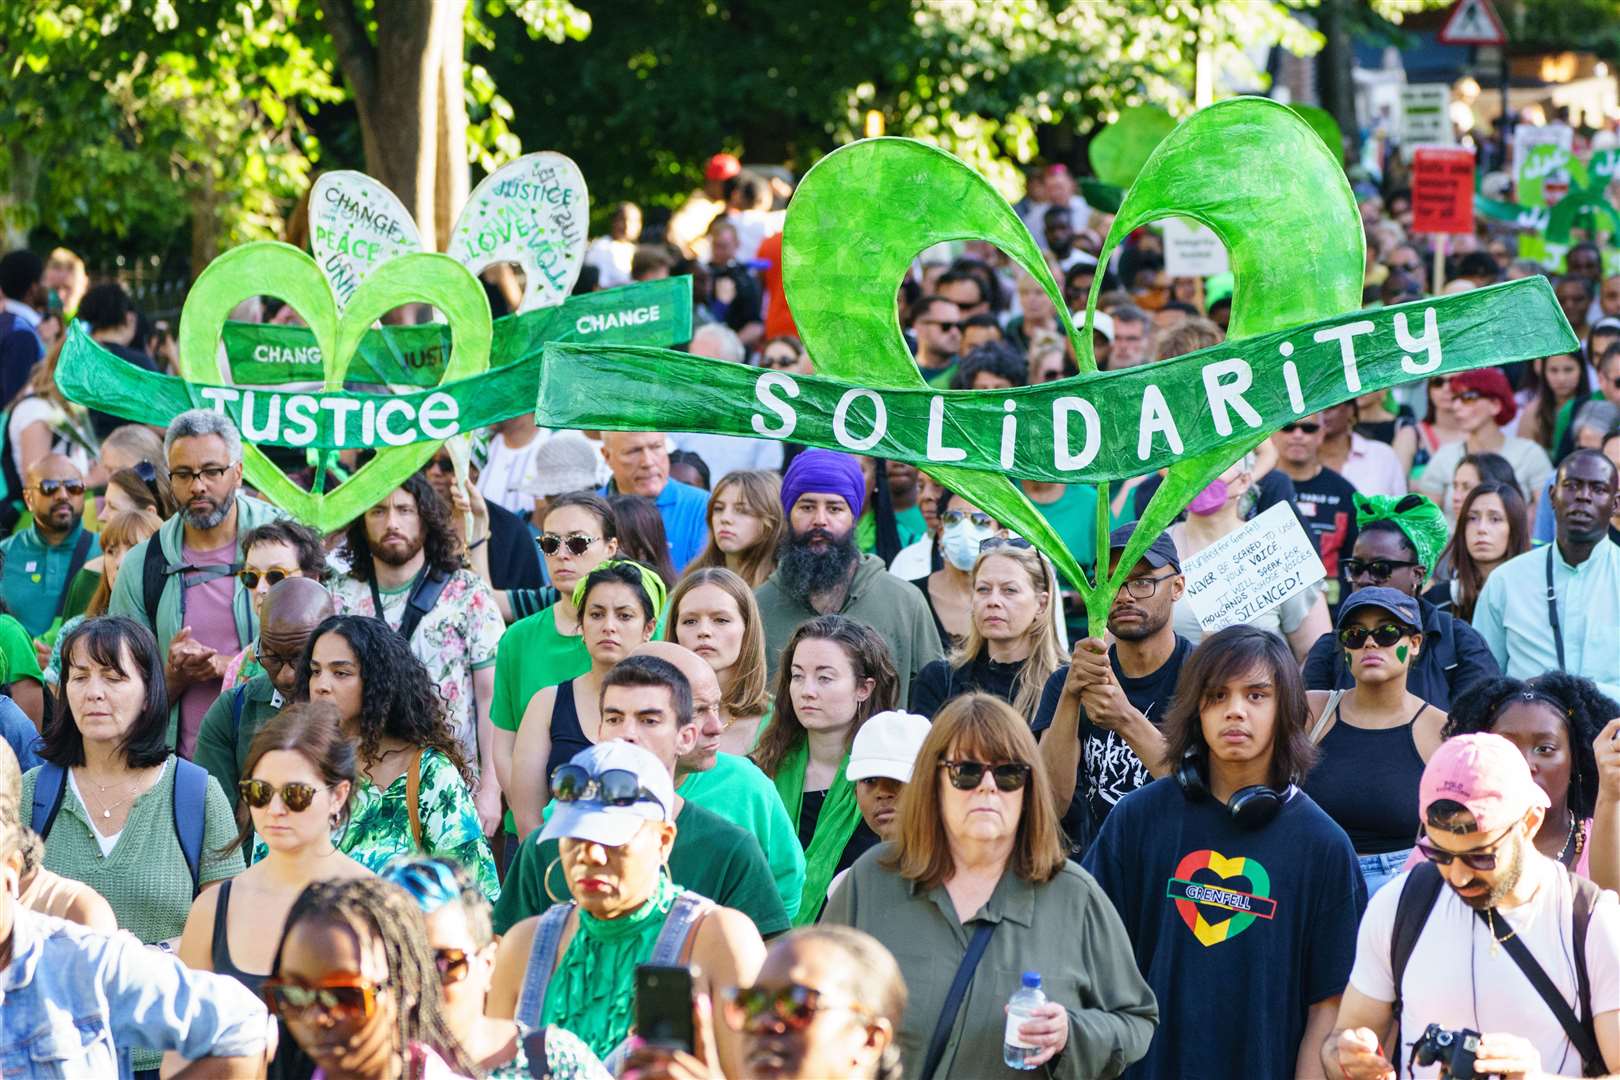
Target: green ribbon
840 813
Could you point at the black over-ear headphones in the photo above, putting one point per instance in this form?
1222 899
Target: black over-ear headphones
1252 807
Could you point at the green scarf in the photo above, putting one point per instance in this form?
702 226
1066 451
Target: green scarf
592 991
839 816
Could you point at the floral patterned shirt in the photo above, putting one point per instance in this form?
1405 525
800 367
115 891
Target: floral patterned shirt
459 636
379 828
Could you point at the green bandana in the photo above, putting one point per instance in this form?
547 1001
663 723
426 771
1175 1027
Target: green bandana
656 589
1421 521
836 824
590 993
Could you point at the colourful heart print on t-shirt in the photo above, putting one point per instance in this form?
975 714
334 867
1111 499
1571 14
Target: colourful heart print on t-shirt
1192 897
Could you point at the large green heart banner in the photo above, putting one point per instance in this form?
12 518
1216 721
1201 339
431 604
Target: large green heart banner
1104 426
644 313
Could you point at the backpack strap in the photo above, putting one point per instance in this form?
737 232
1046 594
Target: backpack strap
238 699
190 815
413 797
422 599
1330 710
154 568
531 1002
81 551
1586 895
1418 895
50 785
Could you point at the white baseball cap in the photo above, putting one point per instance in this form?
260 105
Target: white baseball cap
887 745
1101 321
613 824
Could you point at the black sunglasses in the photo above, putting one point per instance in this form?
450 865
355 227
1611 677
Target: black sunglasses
1354 637
1309 427
613 787
967 775
296 796
1377 569
577 544
1003 541
793 1007
1474 860
440 464
51 487
979 518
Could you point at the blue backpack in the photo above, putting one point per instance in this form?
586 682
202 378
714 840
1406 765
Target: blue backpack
190 805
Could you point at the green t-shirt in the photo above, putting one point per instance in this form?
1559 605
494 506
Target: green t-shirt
532 656
710 856
81 590
909 523
17 659
738 791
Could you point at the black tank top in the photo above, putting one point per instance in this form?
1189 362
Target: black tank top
290 1062
567 737
1367 781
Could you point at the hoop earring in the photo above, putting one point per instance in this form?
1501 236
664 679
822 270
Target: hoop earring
545 882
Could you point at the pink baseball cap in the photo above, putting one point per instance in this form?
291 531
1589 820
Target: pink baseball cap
1485 773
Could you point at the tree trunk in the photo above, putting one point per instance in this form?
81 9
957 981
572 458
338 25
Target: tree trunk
450 174
1333 63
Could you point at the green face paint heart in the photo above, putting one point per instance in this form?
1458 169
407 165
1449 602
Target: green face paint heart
1202 882
285 272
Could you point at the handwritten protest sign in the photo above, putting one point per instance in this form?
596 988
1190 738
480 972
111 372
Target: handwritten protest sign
533 212
1425 116
355 225
1192 250
1443 190
1248 572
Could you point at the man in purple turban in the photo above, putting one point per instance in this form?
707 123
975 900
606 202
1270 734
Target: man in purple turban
821 571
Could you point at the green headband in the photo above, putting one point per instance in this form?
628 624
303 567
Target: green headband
1415 515
657 591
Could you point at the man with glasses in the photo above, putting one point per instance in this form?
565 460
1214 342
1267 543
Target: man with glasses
405 568
1557 608
936 326
1398 541
1098 720
1133 328
514 562
181 583
1460 940
291 612
1322 497
42 559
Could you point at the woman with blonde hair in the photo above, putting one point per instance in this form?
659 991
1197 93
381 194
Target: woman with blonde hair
979 863
745 525
713 612
1013 643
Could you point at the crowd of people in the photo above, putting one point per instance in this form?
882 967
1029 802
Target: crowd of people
433 791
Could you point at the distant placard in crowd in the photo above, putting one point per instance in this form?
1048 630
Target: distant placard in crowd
1191 249
1247 573
1443 190
1425 116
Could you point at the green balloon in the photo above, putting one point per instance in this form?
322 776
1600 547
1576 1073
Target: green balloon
1121 149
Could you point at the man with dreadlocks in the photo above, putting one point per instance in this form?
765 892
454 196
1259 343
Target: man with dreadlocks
1398 541
357 984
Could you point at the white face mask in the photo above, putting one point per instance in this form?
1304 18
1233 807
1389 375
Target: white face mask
960 543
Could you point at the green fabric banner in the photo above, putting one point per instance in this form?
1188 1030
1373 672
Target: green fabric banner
1094 428
645 313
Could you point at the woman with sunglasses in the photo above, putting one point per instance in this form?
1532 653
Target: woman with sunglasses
1569 732
1492 527
979 834
272 553
618 604
464 944
827 1005
713 613
785 353
356 984
835 673
574 965
118 534
1482 402
1012 644
745 525
963 527
299 778
412 792
578 531
1373 739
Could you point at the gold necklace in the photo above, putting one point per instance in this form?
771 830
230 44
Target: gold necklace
1497 942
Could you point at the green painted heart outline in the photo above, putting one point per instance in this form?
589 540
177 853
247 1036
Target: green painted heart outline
269 268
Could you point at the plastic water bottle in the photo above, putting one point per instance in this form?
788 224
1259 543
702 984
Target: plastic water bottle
1015 1050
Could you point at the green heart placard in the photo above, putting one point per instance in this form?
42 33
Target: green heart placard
282 271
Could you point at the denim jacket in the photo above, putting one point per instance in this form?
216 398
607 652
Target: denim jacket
73 1003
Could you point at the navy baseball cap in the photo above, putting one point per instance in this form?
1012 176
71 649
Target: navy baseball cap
1162 552
1397 603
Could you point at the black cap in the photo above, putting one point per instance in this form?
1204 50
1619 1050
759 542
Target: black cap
1397 603
1162 552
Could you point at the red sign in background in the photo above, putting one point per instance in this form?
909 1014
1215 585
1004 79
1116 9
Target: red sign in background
1442 190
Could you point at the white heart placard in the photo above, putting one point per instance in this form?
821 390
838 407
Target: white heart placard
355 225
534 212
